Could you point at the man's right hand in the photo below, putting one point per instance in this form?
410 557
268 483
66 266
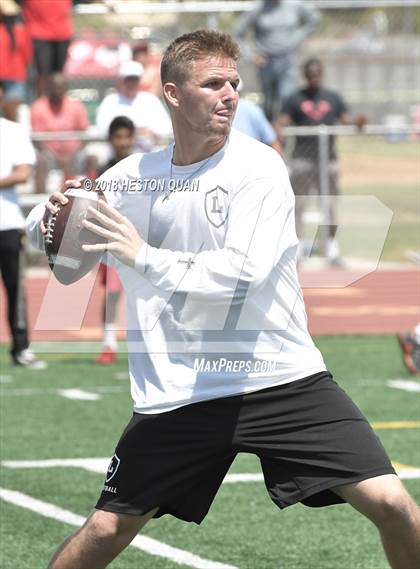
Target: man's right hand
58 198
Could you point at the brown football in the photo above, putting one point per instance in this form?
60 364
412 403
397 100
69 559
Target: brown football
65 236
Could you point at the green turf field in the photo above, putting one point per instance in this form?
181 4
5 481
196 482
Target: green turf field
244 529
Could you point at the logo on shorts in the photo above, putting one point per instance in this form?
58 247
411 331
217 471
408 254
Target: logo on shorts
215 206
112 468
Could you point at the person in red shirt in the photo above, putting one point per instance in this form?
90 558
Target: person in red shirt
51 29
15 56
150 80
56 112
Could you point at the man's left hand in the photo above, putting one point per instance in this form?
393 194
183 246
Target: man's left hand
123 240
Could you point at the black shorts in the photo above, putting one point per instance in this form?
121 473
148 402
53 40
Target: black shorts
50 56
308 435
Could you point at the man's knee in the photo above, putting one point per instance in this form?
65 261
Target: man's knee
395 510
384 500
102 537
105 526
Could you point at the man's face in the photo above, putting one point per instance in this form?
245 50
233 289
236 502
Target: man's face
56 89
141 57
209 97
313 76
129 86
122 141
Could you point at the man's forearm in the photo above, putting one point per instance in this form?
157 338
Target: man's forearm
19 175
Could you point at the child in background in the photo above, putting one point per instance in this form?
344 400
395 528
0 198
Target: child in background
121 137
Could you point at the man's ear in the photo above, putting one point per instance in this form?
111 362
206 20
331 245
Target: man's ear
171 94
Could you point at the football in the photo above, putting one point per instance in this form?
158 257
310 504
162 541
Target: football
65 236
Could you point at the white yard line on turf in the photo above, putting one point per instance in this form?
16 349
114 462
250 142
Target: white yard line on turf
100 465
23 391
404 384
122 375
409 473
79 394
6 379
233 478
147 544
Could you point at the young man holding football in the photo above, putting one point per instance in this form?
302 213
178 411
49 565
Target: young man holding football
220 358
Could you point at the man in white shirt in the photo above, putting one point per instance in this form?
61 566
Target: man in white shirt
17 157
143 108
220 359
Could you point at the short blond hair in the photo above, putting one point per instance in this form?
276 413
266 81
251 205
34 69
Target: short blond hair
191 47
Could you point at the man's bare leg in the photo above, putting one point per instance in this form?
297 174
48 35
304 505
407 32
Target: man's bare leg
386 502
102 537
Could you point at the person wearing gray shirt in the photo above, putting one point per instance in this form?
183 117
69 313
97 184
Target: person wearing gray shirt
279 27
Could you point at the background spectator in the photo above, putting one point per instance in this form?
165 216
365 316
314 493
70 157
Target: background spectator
121 137
15 57
312 106
144 109
56 112
279 27
50 26
410 346
150 80
250 119
16 159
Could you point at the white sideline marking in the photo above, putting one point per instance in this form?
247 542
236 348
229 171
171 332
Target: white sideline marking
405 384
6 379
147 544
99 465
79 394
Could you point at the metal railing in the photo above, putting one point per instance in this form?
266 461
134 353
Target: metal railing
375 129
217 7
374 165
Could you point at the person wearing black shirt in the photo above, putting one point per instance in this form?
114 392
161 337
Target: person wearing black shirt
315 105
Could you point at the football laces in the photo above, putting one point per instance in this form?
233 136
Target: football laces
48 238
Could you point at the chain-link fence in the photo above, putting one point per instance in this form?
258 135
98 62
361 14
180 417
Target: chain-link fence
372 179
357 188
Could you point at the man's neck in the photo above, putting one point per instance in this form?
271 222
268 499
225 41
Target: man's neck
129 97
117 157
312 91
56 104
189 150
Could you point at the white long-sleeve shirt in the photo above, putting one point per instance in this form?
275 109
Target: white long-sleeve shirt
214 304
